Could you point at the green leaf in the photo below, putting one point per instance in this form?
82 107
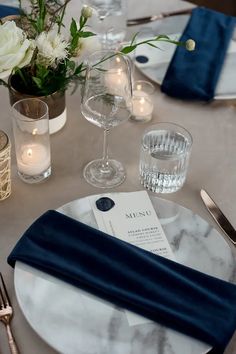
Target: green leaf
133 39
41 72
128 49
86 34
82 22
37 81
153 45
162 36
57 19
42 15
74 42
20 72
73 28
78 69
71 65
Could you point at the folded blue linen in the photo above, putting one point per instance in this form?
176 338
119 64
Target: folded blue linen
194 75
8 10
164 291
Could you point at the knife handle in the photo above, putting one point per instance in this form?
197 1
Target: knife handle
142 20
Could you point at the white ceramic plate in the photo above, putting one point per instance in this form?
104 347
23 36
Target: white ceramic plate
158 60
78 323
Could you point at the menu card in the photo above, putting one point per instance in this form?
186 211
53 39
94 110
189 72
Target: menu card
131 217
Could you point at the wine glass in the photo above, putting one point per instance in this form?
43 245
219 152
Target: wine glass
106 102
110 22
103 7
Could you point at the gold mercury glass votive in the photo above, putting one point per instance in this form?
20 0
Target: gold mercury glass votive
5 166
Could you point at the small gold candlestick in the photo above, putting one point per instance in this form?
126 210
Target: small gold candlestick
5 166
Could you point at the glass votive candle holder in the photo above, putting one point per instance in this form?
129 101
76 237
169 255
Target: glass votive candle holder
142 101
164 157
31 135
5 166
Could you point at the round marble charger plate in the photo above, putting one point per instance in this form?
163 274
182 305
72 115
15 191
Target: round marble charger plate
157 61
75 322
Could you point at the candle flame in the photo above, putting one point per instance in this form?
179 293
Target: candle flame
142 100
29 152
34 132
118 59
139 87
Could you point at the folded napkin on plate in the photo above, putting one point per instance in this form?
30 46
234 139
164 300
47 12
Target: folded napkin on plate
194 75
8 10
162 290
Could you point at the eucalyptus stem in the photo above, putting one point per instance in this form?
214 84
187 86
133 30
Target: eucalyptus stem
61 7
61 19
168 40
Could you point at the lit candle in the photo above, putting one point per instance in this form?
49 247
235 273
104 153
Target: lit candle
32 144
33 159
142 106
116 81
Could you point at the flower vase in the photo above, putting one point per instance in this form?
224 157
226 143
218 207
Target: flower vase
56 104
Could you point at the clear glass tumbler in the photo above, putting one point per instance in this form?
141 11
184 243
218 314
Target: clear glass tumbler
31 135
165 152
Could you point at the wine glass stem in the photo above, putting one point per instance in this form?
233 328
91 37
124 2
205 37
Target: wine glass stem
103 33
105 160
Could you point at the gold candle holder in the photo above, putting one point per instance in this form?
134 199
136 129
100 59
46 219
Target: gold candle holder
5 166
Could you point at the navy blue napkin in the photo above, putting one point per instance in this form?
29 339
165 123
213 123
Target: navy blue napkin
164 291
194 75
8 10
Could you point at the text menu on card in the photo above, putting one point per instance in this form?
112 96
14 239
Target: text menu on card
132 218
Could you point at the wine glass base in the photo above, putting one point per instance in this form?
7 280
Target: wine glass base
98 176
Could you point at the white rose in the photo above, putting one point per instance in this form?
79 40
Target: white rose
15 49
52 48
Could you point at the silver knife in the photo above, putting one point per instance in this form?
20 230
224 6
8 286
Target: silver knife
142 20
218 216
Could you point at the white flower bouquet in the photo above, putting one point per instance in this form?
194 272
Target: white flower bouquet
38 57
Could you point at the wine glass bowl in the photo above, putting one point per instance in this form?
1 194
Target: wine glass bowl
106 102
103 7
108 21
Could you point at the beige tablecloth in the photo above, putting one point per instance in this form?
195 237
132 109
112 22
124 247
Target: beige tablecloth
212 166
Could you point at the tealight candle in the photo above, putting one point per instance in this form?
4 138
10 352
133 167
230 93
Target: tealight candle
116 79
31 133
33 159
142 102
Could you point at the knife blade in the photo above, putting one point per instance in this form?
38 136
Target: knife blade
142 20
218 216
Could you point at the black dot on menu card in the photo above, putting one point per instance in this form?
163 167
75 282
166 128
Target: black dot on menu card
105 204
142 59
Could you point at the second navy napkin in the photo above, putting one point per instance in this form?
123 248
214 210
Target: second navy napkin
194 75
